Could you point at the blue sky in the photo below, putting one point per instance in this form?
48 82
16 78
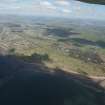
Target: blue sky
64 8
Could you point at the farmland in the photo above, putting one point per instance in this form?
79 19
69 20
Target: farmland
73 45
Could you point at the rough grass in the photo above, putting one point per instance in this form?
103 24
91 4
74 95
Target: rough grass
59 59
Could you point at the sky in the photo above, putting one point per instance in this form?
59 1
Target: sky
61 8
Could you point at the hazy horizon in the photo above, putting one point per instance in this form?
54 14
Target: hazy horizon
55 8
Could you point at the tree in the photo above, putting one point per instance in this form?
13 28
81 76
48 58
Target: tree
12 50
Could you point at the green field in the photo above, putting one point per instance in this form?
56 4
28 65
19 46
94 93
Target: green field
70 45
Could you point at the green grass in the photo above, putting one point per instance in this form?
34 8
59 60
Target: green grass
61 60
33 41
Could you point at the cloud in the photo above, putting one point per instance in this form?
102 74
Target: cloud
67 11
52 7
62 2
35 6
47 4
8 1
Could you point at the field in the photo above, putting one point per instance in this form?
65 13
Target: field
51 61
72 45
